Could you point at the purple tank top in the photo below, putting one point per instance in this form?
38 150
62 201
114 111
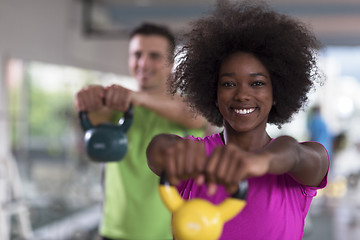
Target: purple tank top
276 204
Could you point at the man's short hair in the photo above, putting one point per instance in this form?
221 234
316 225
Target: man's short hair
155 29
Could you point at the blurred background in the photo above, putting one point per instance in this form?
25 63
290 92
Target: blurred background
49 49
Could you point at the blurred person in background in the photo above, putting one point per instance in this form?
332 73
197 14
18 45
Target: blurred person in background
319 130
132 206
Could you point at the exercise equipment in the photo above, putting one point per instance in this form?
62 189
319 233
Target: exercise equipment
198 219
106 142
12 204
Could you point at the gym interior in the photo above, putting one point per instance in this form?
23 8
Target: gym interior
49 189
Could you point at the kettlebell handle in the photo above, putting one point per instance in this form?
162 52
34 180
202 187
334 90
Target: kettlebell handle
240 194
125 122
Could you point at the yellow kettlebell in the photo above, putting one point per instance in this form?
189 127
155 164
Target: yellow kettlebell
197 218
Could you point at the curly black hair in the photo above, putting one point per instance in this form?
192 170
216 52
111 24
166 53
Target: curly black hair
283 44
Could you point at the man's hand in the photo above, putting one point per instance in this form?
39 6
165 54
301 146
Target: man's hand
119 98
90 98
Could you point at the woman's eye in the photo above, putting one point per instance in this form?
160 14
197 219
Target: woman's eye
228 84
258 83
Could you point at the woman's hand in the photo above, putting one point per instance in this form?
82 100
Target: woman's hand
185 159
229 165
180 158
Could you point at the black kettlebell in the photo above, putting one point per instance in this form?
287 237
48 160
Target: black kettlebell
106 142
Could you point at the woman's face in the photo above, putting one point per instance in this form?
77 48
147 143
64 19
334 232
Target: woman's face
244 93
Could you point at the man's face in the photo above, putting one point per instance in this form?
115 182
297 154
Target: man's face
149 61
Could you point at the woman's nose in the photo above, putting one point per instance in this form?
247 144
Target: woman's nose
242 93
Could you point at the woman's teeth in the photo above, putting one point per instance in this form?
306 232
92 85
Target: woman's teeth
244 111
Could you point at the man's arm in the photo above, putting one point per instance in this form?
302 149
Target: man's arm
116 97
170 107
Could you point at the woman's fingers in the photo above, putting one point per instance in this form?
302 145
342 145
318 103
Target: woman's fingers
195 158
212 168
180 159
186 159
170 166
225 167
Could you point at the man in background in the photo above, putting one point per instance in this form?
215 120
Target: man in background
132 206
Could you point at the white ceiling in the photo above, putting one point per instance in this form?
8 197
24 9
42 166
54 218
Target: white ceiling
335 22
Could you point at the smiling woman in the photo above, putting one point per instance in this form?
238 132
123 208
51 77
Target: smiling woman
241 67
244 92
285 57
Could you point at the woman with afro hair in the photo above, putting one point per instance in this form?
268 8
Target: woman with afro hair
243 66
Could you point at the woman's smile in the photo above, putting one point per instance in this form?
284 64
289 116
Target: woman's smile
244 111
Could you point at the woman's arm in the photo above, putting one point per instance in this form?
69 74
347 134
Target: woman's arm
306 162
157 150
182 158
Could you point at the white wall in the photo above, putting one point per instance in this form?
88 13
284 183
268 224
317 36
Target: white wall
50 31
4 135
